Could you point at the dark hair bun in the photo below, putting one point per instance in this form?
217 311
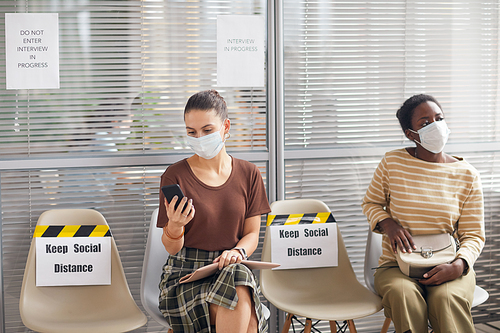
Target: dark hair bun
207 100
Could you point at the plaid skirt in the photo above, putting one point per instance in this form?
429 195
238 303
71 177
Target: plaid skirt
186 306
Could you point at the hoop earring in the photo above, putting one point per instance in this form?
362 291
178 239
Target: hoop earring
227 135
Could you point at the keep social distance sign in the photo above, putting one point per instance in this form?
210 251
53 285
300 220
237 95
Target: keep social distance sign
304 245
73 261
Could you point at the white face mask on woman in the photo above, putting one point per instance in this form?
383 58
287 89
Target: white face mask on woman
434 136
207 146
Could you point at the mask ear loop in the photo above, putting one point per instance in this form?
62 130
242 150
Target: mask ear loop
414 140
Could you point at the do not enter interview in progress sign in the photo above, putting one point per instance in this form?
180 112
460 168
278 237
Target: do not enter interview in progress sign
32 50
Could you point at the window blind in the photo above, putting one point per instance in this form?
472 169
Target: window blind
127 69
349 65
126 196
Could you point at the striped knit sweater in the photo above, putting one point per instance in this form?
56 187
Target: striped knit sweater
427 198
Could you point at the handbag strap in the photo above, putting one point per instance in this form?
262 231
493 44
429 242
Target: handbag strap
441 249
454 234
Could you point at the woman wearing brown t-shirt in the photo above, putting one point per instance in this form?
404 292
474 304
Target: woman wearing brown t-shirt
225 199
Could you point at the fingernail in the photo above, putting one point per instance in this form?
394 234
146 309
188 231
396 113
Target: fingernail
190 201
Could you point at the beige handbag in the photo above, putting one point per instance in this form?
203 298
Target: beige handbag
431 251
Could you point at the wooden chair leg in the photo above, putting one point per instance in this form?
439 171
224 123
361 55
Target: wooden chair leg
387 323
333 326
352 328
308 327
287 323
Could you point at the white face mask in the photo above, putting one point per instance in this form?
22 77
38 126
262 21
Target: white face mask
207 146
434 136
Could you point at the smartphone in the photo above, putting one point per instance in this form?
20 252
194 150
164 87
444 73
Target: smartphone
171 191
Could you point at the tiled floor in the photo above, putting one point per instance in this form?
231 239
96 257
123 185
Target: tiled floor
488 328
484 328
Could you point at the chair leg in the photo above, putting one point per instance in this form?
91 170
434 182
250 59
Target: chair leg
352 328
308 327
288 322
386 325
333 326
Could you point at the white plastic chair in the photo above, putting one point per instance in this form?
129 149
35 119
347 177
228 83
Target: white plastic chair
155 257
329 293
78 309
372 254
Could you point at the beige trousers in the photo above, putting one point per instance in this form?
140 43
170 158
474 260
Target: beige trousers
410 304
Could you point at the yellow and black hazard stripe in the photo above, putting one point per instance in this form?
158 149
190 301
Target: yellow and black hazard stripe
290 219
72 231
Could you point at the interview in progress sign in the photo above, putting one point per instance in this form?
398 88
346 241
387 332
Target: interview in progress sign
73 255
240 51
32 50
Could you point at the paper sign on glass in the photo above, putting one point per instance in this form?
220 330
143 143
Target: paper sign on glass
240 51
32 50
304 245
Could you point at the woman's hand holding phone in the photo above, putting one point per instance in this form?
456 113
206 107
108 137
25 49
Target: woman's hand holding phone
178 214
180 211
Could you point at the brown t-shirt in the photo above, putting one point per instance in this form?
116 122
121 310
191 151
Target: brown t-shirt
220 211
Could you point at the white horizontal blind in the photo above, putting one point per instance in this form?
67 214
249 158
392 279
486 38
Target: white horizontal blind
126 71
452 52
349 65
487 266
127 68
179 59
344 72
126 196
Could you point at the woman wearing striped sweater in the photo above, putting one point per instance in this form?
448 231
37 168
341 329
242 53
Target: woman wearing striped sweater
417 191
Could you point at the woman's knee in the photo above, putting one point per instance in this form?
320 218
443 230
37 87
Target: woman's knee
243 289
212 310
402 291
445 298
244 294
449 310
